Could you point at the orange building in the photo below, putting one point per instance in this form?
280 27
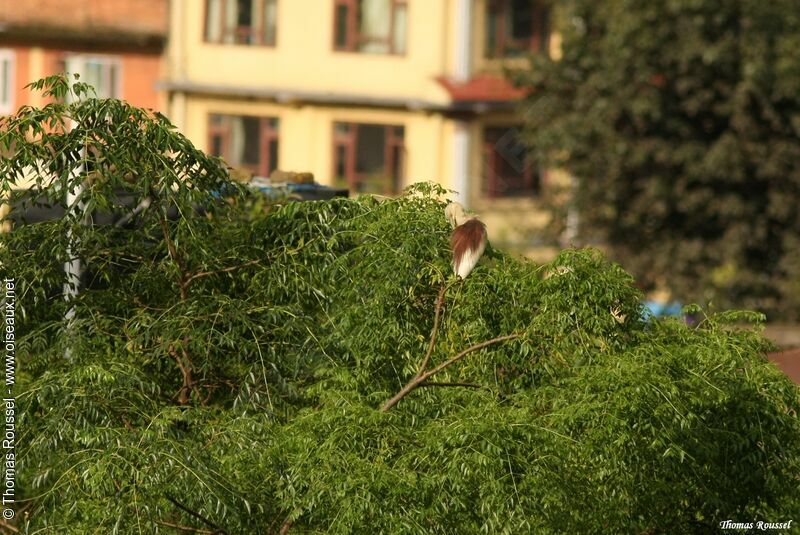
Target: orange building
115 45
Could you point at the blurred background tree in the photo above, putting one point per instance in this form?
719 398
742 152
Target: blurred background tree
679 120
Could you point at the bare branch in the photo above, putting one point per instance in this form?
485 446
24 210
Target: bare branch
217 530
418 380
467 351
185 365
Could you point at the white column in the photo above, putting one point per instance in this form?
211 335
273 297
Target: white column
177 110
462 72
461 162
463 44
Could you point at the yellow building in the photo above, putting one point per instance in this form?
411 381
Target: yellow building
368 94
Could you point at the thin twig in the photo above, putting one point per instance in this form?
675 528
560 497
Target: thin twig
204 520
218 271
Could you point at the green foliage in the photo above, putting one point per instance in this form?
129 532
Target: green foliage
227 369
680 120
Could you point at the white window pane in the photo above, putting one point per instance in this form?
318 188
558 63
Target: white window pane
400 23
93 75
113 81
213 21
231 18
270 21
5 84
102 73
237 141
375 25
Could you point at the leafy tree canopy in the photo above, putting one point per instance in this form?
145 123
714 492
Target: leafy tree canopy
680 120
231 367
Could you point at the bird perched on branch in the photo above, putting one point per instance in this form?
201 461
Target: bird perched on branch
468 239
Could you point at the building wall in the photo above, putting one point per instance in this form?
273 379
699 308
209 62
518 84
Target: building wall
306 134
139 76
482 64
129 15
208 76
44 32
304 58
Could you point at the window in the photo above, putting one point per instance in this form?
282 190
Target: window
508 171
101 72
368 158
516 27
7 87
370 26
241 22
245 141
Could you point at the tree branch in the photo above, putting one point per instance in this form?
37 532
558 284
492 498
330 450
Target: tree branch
467 351
217 530
185 365
434 331
418 380
184 361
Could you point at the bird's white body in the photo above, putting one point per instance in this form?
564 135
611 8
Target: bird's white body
469 259
468 240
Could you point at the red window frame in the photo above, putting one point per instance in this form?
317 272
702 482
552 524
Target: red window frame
353 38
394 156
269 130
540 31
525 182
242 35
